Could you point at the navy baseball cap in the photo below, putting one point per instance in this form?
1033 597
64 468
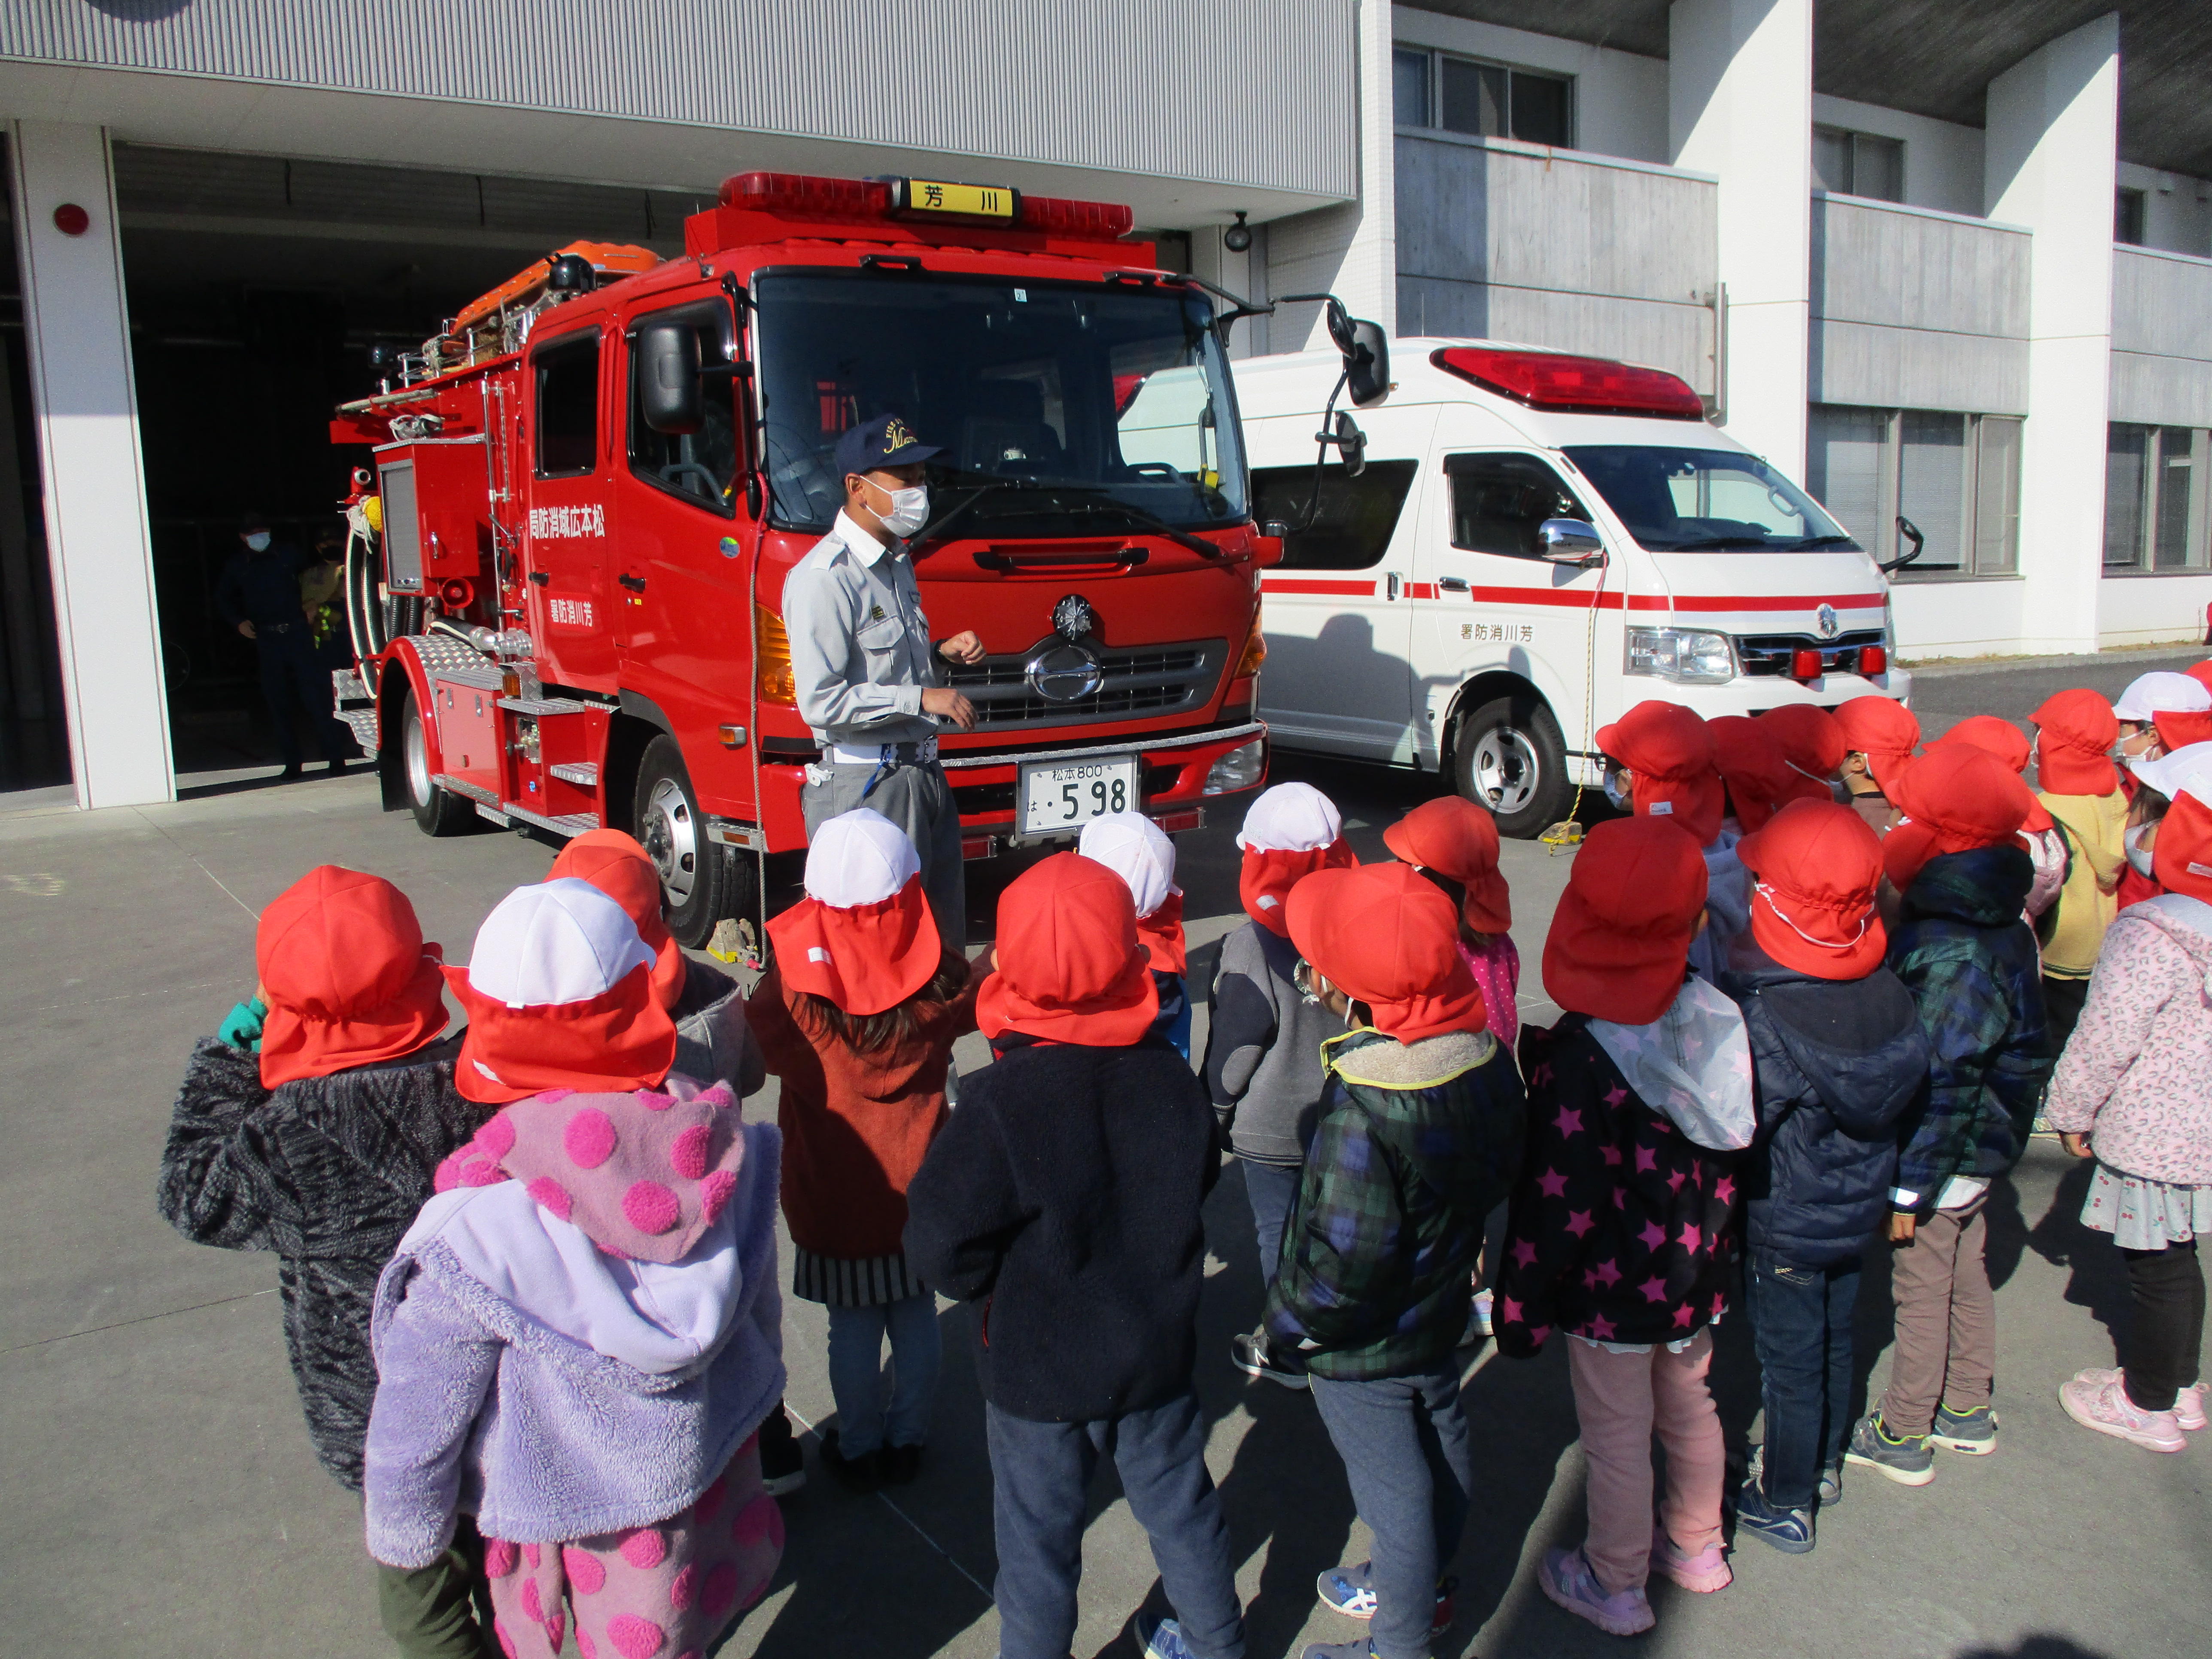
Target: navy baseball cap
887 440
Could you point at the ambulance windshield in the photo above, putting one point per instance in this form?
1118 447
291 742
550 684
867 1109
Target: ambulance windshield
1679 501
1076 410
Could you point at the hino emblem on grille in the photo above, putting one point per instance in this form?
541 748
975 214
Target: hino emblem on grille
1073 619
1062 671
1824 618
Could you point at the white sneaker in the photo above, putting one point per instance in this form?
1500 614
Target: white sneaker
2104 1407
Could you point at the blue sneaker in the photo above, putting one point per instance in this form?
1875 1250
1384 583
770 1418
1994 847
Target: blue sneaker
1162 1637
1351 1591
1789 1531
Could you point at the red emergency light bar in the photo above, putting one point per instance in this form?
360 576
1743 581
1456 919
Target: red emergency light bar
805 197
1582 385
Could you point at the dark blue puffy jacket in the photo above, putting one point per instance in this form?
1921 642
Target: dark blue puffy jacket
1837 1065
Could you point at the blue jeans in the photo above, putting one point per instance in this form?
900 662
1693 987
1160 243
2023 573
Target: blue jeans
1403 1441
1800 1324
1271 1189
856 1382
1040 1473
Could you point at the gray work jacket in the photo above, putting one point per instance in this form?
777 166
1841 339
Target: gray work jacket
861 654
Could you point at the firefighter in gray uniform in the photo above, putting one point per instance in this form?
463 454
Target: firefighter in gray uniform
868 678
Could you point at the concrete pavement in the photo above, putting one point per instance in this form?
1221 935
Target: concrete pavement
161 1494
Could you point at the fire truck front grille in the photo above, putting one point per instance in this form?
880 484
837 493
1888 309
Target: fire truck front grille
1770 654
1133 684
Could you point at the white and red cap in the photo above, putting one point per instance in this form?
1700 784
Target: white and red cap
1140 852
1290 831
559 994
2184 772
863 937
2161 692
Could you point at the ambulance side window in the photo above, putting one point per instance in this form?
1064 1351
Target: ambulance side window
569 406
699 465
1352 526
1498 501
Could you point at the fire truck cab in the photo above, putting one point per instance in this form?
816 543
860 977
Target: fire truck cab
566 586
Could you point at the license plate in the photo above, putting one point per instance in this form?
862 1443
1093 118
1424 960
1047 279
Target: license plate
1068 794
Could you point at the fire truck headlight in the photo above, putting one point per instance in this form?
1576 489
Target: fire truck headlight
1240 769
772 664
1685 655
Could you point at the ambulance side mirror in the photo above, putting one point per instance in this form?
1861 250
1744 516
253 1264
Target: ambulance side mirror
1366 363
668 393
1570 541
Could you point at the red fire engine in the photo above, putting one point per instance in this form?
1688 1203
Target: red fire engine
565 587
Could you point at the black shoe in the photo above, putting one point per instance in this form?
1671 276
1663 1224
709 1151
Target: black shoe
294 771
1254 1354
783 1462
899 1464
864 1474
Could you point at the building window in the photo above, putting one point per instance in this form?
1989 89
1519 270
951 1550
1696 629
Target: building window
1436 89
1954 477
1848 163
2155 512
2128 216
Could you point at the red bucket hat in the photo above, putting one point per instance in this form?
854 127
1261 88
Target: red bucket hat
2201 673
1814 745
1385 936
349 980
1669 756
1812 907
1619 942
2181 857
2178 728
614 864
1290 831
2006 741
559 994
2075 733
1458 840
1068 967
1751 764
1138 851
863 937
1955 798
1882 729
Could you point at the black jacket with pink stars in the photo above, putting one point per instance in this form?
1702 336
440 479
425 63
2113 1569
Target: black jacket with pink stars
1622 1229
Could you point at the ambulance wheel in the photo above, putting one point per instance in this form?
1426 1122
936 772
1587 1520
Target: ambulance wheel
437 811
1509 756
696 878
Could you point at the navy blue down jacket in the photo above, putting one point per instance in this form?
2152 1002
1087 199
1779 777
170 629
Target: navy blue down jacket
1837 1064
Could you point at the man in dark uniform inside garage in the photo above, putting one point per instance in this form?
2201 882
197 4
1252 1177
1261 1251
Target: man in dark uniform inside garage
869 681
259 595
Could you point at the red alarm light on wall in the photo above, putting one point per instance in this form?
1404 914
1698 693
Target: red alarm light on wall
71 220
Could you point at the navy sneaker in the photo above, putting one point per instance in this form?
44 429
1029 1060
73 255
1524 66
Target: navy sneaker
1904 1459
1973 1432
1161 1637
1832 1478
1351 1591
1252 1353
1789 1531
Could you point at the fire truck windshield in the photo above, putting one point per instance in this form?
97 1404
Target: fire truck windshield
1065 399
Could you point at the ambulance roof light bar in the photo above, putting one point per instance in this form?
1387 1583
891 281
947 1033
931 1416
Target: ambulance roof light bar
803 196
1582 385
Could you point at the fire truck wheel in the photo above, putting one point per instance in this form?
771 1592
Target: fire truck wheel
694 874
1509 758
437 811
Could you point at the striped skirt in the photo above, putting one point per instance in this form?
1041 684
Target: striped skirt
838 1283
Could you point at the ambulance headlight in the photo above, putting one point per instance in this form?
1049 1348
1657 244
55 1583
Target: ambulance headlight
1687 656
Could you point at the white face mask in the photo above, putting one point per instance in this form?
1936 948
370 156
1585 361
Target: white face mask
259 541
908 511
2139 856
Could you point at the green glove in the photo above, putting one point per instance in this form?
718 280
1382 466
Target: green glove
241 1027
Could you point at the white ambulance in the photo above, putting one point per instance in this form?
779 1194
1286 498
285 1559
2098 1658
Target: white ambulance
1537 543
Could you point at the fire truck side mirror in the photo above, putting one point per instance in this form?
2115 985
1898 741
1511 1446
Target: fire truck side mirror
1367 363
669 399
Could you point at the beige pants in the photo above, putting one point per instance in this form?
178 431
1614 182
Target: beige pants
1947 1320
1622 1399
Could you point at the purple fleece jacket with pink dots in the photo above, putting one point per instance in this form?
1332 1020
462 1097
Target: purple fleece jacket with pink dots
575 1336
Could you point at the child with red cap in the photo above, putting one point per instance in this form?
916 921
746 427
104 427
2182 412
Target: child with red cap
2074 731
2134 1090
1062 1201
1970 964
1420 1134
1622 1228
1264 1034
1666 766
1839 1057
857 1014
577 1339
321 1148
1813 745
1753 772
1880 734
1138 851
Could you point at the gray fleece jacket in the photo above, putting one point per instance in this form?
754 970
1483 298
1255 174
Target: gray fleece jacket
1263 1064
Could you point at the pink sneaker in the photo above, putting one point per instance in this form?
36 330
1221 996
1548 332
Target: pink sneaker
1704 1572
1568 1579
2104 1407
2188 1405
